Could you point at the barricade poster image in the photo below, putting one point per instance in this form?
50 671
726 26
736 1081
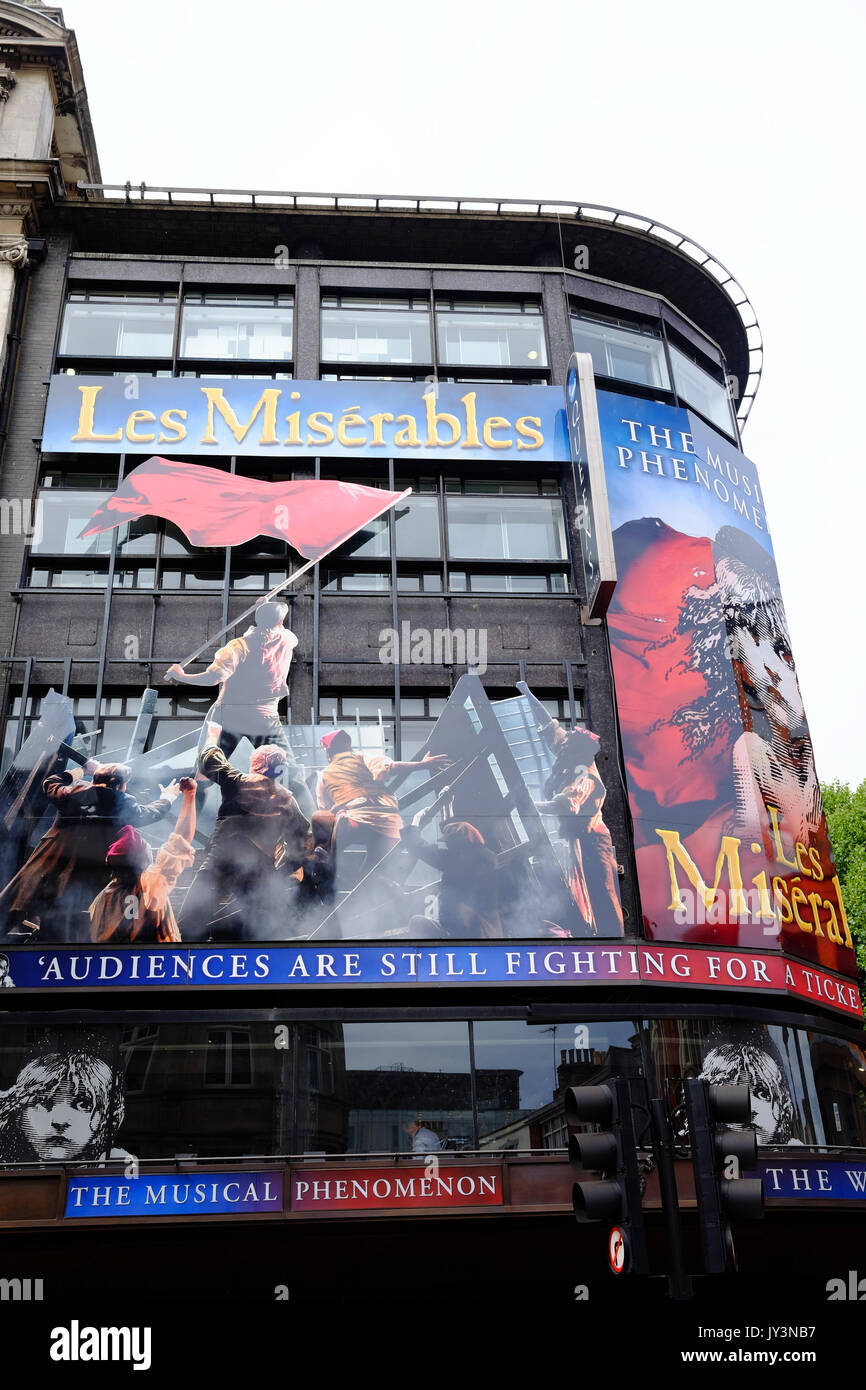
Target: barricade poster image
730 835
250 828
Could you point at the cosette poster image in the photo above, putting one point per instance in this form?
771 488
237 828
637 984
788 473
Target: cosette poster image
731 840
251 828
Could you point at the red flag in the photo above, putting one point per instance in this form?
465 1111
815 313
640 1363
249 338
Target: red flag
216 508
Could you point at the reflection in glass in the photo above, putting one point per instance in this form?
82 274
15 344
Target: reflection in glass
523 1070
629 354
61 517
697 388
806 1088
118 325
481 528
237 327
491 335
375 330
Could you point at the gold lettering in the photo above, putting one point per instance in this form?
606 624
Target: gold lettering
135 418
325 433
168 422
760 882
777 839
817 866
840 900
86 432
800 852
496 422
377 422
780 893
471 441
433 419
797 895
294 423
267 404
407 438
729 853
522 427
833 931
350 420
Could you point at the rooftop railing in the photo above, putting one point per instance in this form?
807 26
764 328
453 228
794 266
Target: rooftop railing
587 214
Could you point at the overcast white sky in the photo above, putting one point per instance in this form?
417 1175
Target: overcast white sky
740 124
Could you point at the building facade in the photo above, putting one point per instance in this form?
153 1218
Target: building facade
395 1046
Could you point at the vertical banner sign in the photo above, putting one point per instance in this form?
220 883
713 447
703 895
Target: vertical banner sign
587 461
731 840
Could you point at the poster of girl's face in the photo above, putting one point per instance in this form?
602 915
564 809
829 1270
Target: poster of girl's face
65 1105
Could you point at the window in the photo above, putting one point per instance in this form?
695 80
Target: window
481 528
61 577
391 1077
626 351
237 327
137 1044
416 524
98 323
522 1070
806 1088
192 578
369 718
375 330
228 1060
504 334
419 581
696 387
507 582
335 581
61 517
418 715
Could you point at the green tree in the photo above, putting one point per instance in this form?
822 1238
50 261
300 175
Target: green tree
846 822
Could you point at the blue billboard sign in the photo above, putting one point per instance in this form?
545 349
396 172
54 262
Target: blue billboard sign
170 1194
392 419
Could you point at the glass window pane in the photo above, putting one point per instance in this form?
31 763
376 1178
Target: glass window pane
481 528
521 1071
118 326
394 331
374 540
697 388
490 335
354 582
628 355
414 734
498 583
137 537
399 1088
236 327
806 1088
417 527
62 516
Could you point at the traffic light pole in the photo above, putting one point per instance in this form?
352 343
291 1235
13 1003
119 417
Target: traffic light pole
679 1282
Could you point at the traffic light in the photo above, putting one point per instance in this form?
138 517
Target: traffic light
719 1155
616 1197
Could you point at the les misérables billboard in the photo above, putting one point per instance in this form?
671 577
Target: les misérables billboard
494 829
730 835
306 854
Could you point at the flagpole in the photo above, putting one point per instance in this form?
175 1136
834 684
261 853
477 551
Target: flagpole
272 593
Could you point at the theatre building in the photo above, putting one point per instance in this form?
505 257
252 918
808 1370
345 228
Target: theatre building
399 727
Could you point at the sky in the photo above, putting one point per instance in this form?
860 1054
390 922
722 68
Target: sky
740 125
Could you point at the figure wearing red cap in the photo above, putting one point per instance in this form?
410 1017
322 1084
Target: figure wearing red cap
134 905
